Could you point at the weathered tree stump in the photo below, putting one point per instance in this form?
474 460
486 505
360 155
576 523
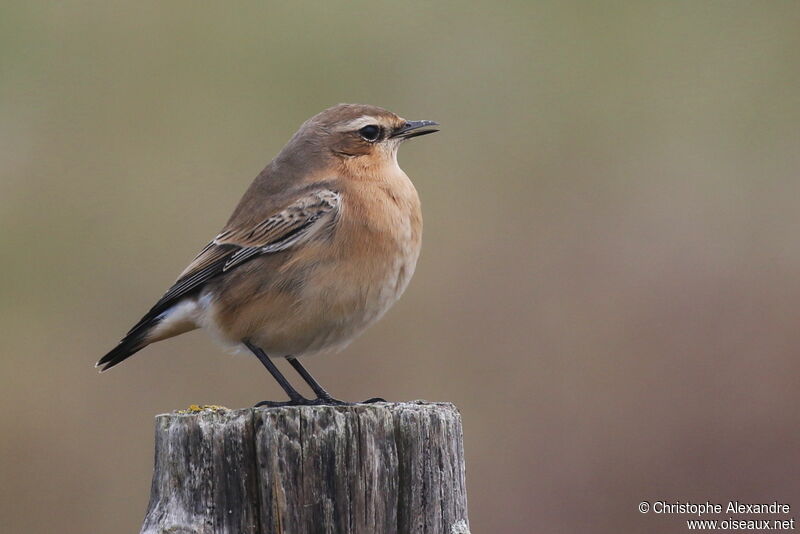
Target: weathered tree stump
371 469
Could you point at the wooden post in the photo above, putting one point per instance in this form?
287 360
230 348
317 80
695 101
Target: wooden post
365 469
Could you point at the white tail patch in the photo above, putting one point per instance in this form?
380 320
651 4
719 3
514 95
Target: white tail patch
180 318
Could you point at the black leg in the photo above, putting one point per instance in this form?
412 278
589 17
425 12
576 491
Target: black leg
313 384
318 389
294 397
322 396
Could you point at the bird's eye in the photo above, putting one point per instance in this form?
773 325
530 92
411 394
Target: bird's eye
370 133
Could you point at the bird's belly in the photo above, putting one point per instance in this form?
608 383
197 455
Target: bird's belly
335 302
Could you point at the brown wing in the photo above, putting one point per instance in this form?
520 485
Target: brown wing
289 226
235 245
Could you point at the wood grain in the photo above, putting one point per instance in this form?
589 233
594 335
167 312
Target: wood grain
367 469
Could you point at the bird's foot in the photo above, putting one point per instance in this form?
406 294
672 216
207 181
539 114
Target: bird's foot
330 401
319 401
275 404
302 401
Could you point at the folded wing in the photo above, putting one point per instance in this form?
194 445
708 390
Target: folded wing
235 245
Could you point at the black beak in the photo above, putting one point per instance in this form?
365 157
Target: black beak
415 129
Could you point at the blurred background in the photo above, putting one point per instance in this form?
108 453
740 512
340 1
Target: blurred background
610 274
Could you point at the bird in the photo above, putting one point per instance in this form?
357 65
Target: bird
323 242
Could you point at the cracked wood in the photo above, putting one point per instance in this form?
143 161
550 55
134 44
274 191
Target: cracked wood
365 469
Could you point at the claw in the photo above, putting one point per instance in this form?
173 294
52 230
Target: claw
273 404
294 401
319 401
330 401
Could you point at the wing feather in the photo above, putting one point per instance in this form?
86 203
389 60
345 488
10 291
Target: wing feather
234 246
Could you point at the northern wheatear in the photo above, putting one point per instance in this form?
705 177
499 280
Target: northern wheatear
323 242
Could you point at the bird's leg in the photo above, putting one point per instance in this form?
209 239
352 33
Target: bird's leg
323 397
295 398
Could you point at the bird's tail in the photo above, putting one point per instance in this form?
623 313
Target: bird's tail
133 342
161 322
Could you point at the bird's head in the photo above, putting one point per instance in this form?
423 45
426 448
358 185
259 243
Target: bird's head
361 131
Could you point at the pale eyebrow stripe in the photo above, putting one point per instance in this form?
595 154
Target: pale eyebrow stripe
360 122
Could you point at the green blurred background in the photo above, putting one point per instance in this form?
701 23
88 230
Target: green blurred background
610 274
